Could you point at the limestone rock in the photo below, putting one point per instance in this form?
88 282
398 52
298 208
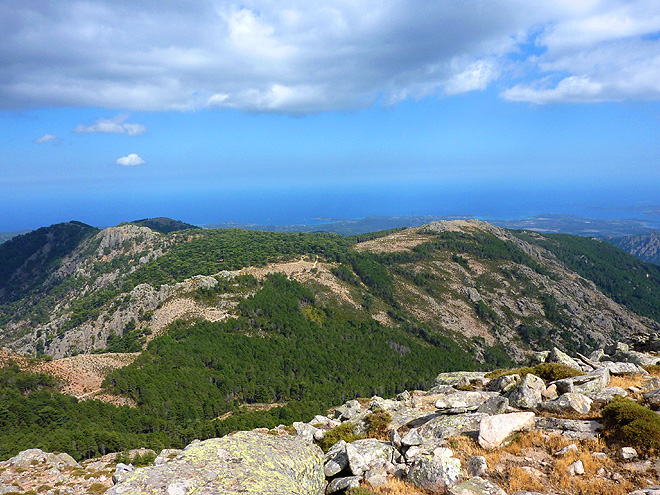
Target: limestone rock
244 462
495 430
477 486
435 474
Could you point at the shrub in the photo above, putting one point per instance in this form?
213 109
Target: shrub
377 423
547 371
626 422
342 432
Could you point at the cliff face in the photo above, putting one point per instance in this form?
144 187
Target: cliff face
645 246
474 282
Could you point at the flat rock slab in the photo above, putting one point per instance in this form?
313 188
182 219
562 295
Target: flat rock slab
249 463
446 426
462 402
570 428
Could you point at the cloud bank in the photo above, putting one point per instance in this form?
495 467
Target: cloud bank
130 161
114 125
299 56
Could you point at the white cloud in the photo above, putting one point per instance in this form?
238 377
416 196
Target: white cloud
130 161
299 56
114 125
45 138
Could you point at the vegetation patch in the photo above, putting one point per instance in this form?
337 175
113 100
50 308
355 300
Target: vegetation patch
630 424
342 432
549 372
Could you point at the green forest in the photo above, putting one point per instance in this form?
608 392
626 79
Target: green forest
203 379
183 381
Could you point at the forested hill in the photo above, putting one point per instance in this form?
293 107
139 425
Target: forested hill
240 328
164 225
645 246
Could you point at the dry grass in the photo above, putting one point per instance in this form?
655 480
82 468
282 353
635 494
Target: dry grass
509 467
626 381
394 487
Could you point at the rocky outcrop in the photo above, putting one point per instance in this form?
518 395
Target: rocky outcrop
245 462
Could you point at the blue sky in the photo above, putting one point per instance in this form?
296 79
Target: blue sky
214 111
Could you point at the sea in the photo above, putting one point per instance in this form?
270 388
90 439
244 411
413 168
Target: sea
321 203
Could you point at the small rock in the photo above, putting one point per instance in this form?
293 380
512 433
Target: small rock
504 383
436 475
653 398
569 448
411 438
336 459
568 402
577 468
395 439
376 477
443 452
528 393
494 405
122 471
403 396
601 472
462 402
627 453
601 456
551 392
356 462
412 453
477 486
339 484
557 356
477 466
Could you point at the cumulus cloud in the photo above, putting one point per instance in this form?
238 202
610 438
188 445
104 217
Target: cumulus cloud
299 56
45 138
114 125
130 161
